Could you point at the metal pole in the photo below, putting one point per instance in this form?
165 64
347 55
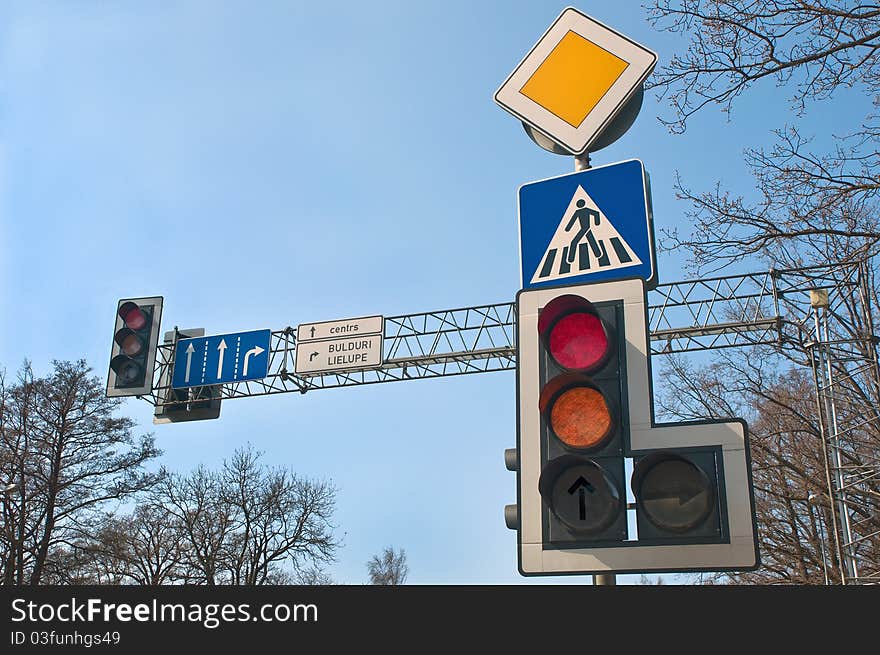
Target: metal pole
822 411
841 497
582 163
817 499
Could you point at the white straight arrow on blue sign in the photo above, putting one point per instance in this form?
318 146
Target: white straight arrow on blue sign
221 359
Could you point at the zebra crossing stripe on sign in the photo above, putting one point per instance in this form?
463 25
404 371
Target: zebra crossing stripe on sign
585 241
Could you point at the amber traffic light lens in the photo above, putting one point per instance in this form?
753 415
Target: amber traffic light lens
132 345
580 417
129 342
576 411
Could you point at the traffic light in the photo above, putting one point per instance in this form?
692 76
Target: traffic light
602 488
191 403
581 386
133 353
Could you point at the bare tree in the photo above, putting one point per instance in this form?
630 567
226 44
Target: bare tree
146 547
70 457
811 203
62 444
279 517
778 402
311 576
205 520
248 524
815 47
388 568
813 206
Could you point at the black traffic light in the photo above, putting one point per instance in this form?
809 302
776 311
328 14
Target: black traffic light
601 487
582 381
191 403
133 353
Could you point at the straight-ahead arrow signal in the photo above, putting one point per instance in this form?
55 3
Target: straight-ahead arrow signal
222 348
313 331
256 350
581 486
189 355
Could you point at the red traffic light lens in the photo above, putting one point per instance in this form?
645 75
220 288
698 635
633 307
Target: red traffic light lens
574 334
578 341
576 411
133 316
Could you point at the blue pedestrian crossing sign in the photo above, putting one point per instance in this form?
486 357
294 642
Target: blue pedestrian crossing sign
221 359
593 225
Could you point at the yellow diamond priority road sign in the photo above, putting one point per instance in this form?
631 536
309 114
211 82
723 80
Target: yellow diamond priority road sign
575 80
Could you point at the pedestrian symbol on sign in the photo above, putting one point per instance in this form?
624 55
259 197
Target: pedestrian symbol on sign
595 245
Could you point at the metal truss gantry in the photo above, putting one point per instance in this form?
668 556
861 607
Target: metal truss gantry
774 308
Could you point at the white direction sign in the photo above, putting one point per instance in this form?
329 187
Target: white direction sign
342 345
575 80
347 327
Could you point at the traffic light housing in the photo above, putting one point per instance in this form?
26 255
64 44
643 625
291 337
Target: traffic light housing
602 488
133 353
581 402
191 403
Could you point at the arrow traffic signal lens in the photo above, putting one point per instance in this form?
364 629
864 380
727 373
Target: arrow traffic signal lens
574 334
673 493
580 494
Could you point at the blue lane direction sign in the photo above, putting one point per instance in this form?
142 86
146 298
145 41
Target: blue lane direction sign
591 225
221 359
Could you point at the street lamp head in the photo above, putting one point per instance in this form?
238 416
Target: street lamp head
12 487
816 499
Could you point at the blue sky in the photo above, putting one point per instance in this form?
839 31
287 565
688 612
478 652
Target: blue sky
276 163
